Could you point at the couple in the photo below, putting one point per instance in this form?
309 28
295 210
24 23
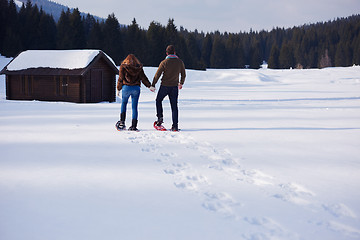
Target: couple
132 74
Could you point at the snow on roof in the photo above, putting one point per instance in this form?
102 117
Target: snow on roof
64 59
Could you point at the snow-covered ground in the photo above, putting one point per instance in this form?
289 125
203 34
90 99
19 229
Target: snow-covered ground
263 154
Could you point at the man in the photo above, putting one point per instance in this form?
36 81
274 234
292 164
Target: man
170 69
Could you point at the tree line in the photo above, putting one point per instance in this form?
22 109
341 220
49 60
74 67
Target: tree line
325 44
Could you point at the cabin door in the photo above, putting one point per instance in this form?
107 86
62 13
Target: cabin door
96 85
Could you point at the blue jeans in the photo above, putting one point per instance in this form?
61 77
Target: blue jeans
134 92
173 93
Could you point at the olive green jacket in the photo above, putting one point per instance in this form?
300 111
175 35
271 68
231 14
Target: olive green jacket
170 69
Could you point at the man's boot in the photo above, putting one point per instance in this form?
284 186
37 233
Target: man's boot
159 121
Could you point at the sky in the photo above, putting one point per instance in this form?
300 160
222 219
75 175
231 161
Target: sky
220 15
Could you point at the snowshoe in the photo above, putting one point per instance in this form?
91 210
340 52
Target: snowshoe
158 126
120 126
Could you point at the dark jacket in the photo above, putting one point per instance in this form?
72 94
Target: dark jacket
170 68
132 76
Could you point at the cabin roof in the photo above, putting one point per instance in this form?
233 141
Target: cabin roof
56 62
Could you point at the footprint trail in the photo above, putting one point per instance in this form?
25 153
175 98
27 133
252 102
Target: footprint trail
196 167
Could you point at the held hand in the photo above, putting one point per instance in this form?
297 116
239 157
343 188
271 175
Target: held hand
119 87
180 86
153 89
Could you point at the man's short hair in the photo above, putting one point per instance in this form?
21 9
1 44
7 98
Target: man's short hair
170 49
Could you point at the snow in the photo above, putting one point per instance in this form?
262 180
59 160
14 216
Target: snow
18 3
64 59
263 154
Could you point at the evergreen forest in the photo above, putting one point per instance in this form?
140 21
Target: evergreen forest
318 45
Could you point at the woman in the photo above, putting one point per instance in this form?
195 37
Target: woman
131 75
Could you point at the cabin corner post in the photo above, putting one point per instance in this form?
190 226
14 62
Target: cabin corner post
8 87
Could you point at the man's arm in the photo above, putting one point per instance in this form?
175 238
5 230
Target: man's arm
183 74
158 74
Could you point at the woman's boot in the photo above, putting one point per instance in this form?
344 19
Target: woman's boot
134 125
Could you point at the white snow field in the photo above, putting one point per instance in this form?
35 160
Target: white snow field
263 154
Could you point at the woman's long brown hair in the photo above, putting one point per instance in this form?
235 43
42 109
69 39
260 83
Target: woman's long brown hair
131 60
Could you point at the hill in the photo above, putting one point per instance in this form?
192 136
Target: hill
53 8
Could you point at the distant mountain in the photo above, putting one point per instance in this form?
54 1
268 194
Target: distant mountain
52 8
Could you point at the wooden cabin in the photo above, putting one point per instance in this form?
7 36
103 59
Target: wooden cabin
80 76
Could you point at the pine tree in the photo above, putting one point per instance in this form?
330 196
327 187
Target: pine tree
341 56
64 35
286 58
255 56
155 36
134 42
218 53
3 22
194 52
95 37
77 37
12 43
171 33
70 30
182 51
172 37
12 39
235 52
47 32
113 44
356 59
206 50
299 52
89 22
30 26
240 56
274 57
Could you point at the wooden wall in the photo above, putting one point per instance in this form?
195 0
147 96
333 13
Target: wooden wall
107 82
43 88
97 85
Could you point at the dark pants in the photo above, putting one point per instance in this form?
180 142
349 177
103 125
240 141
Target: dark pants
173 93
